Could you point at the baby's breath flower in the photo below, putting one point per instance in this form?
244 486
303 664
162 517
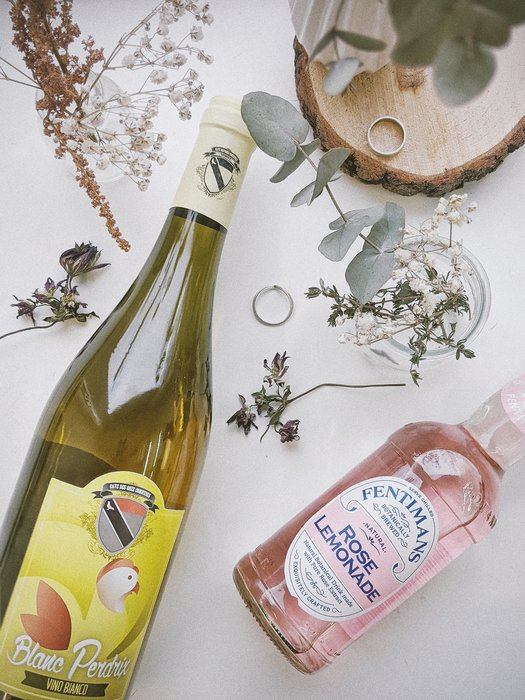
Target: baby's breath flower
69 126
176 96
185 111
403 256
399 273
196 33
129 60
158 76
419 285
168 45
204 57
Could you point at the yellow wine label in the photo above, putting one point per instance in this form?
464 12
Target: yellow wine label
86 589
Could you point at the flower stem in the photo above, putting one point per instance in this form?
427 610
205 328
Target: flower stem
345 386
29 328
334 201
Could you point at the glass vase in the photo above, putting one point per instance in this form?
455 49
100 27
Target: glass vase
395 351
98 119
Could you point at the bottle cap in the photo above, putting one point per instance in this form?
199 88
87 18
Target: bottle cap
499 424
226 112
216 168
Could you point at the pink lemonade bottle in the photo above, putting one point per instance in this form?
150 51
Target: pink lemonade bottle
384 530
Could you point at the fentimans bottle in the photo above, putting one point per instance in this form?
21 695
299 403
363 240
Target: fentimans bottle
114 461
385 529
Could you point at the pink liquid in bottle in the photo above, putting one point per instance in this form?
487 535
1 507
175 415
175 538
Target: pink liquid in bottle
385 529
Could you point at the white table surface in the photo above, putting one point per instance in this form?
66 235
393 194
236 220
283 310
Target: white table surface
462 636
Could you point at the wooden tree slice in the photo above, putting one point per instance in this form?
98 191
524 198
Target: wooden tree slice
445 146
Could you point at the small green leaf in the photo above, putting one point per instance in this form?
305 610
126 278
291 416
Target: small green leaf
329 164
323 43
290 166
461 71
336 245
275 125
305 196
340 74
360 41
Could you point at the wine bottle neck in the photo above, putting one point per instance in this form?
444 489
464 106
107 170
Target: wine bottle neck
213 176
499 424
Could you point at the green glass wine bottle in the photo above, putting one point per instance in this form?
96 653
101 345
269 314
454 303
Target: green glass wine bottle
117 453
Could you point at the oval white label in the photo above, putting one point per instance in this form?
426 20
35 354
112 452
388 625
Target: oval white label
360 548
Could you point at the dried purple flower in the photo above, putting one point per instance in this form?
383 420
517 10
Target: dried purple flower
273 403
244 418
276 370
25 308
60 299
80 259
289 431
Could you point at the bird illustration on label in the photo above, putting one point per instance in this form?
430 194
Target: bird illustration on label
115 582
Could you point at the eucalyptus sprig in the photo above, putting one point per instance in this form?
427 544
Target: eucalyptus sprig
60 299
392 279
273 399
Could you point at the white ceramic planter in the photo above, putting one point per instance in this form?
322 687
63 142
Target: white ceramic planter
312 19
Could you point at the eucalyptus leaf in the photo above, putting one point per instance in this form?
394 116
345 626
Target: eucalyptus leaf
513 10
373 266
305 196
275 125
462 71
340 74
416 17
400 12
490 28
420 30
366 217
290 166
419 50
478 23
367 273
389 230
336 245
323 42
360 41
328 165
